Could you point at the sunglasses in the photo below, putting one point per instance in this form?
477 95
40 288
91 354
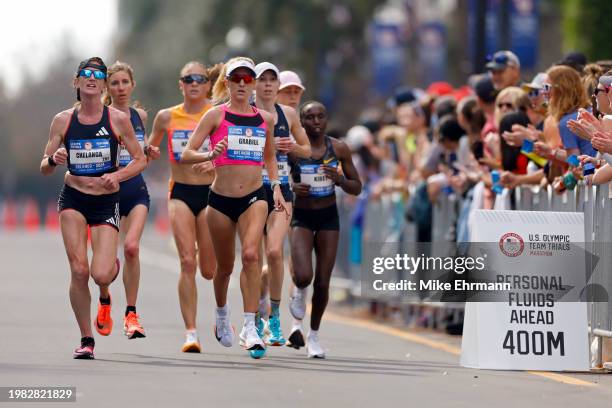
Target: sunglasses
87 73
190 79
596 91
534 93
502 105
237 77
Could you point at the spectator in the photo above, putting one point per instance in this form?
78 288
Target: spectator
505 69
575 60
486 93
538 108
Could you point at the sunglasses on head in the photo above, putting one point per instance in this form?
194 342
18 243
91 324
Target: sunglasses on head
502 105
236 77
498 59
190 79
87 73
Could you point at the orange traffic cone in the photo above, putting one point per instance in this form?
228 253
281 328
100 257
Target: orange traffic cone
9 215
162 224
52 217
31 216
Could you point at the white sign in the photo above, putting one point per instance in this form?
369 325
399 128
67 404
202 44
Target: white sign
531 329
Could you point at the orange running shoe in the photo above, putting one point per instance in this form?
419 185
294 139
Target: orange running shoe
131 326
103 321
192 343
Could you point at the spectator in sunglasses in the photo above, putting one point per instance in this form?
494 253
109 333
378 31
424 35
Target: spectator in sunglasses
505 69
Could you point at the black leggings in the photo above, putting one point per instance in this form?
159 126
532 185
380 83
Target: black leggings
325 245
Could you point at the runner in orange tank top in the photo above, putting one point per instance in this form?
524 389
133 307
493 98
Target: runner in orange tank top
188 189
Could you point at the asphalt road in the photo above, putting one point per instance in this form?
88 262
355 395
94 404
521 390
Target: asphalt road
365 365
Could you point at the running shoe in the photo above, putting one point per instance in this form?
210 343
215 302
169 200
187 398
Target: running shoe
103 321
250 340
315 350
192 343
297 306
224 331
85 351
296 338
131 326
275 338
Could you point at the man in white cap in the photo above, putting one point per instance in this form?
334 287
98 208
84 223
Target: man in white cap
290 90
505 69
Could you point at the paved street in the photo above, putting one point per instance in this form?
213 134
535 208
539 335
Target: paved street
365 365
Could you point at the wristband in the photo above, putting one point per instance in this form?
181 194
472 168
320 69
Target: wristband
274 183
50 161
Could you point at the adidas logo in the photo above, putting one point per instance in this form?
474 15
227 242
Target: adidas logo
282 127
252 200
102 132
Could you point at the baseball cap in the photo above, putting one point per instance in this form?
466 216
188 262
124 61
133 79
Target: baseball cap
574 59
439 88
536 83
605 80
502 60
484 89
265 66
241 63
290 78
403 94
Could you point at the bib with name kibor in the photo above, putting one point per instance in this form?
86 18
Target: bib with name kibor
310 171
246 143
92 149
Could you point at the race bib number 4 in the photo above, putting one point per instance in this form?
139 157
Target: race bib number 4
246 143
283 170
320 184
124 155
90 156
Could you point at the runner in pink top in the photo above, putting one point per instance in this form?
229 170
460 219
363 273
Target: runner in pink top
242 140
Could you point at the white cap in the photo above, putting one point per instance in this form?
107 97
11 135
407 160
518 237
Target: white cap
537 82
357 136
290 78
241 63
265 66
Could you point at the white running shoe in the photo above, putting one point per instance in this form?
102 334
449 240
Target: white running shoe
224 332
297 306
315 350
192 343
249 339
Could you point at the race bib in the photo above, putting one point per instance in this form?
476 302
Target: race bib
246 143
320 184
124 156
179 142
283 170
90 156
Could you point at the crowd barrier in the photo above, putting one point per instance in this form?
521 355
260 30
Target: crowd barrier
381 224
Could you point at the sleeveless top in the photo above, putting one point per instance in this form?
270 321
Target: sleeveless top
93 150
281 129
124 156
309 171
182 125
246 137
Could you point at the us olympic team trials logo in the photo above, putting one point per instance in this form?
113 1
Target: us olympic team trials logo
248 132
88 146
511 244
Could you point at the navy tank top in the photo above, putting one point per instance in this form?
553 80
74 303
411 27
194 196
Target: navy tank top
124 156
93 150
281 129
309 171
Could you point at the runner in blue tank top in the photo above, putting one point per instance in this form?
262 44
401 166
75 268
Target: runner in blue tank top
91 134
315 225
289 137
133 194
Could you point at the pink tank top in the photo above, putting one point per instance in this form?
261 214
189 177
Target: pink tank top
246 137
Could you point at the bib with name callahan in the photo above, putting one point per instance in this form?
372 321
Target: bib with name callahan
93 150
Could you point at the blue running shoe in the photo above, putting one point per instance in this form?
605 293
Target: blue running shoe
276 334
